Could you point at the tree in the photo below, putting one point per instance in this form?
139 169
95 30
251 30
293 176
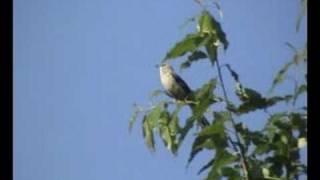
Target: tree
239 153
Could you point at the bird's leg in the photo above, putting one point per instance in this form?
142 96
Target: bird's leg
179 102
186 101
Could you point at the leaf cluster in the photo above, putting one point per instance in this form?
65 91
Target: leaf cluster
271 153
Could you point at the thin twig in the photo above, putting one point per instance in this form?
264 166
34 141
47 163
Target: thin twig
244 162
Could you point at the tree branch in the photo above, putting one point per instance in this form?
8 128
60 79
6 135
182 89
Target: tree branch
244 162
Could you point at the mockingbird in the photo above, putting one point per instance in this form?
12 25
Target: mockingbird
177 88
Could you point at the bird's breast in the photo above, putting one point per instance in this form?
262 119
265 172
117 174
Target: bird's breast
167 81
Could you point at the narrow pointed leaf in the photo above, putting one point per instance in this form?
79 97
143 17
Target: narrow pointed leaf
148 134
303 10
154 116
280 75
190 43
133 118
206 166
301 89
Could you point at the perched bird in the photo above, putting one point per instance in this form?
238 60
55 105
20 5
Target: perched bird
177 88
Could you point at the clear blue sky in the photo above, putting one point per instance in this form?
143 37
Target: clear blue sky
79 65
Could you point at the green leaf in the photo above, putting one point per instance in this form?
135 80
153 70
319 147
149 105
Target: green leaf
231 173
301 89
208 25
174 122
262 149
222 159
184 131
195 56
202 142
217 127
252 100
221 117
212 29
247 94
165 135
273 100
133 117
233 73
212 136
242 128
257 138
299 123
298 57
190 43
206 89
150 121
253 105
169 129
154 116
164 118
276 117
303 11
276 165
206 166
280 75
204 97
212 51
148 134
294 49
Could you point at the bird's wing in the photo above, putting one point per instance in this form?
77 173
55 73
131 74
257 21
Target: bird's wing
182 83
168 93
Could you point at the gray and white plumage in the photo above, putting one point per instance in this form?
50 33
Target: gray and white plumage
177 88
174 86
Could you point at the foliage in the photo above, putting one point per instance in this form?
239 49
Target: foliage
270 153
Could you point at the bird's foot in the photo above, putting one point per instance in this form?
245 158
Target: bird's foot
191 102
185 101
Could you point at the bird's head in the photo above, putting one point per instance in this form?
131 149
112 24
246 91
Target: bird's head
165 68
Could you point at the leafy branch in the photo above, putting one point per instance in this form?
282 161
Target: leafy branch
238 153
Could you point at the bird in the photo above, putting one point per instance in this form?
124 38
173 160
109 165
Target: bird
176 88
